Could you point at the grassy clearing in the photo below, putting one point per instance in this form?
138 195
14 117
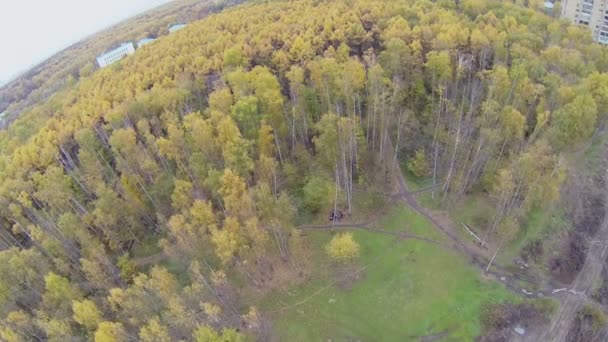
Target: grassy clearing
414 183
540 224
476 211
426 200
365 202
408 289
402 219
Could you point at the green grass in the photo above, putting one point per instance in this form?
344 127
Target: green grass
403 219
366 201
414 183
541 224
426 200
408 289
474 210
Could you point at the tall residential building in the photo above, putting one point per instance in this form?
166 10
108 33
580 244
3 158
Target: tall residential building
590 13
176 27
115 55
145 41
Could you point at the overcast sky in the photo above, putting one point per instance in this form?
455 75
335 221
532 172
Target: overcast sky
33 30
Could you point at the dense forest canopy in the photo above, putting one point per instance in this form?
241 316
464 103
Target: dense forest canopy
62 70
217 139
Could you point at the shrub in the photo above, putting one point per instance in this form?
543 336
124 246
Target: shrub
343 247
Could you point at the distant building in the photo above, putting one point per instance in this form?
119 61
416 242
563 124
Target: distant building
176 27
144 41
116 54
3 120
590 13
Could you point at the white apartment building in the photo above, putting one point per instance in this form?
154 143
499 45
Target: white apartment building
115 55
176 27
590 13
144 41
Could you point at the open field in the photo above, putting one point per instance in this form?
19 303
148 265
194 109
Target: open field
402 289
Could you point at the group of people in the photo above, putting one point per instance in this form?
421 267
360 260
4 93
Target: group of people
336 215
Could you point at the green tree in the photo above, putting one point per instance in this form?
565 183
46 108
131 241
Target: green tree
154 331
318 193
575 121
207 334
182 195
59 295
245 113
111 332
87 314
418 165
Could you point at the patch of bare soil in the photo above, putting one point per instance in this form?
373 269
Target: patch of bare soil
272 272
588 326
499 320
601 295
569 263
533 251
586 205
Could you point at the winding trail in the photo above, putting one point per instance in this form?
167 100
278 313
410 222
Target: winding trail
499 273
583 284
571 298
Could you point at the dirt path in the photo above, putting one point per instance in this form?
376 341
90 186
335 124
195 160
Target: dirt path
583 285
476 256
571 298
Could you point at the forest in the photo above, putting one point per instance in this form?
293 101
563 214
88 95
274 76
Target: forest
162 198
63 70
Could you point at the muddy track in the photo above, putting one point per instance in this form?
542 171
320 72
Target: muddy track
583 283
571 298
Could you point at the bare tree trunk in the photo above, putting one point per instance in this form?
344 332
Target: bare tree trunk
435 172
502 148
473 165
276 141
398 138
494 256
446 185
497 217
337 184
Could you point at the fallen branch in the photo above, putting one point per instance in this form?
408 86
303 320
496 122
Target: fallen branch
471 232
